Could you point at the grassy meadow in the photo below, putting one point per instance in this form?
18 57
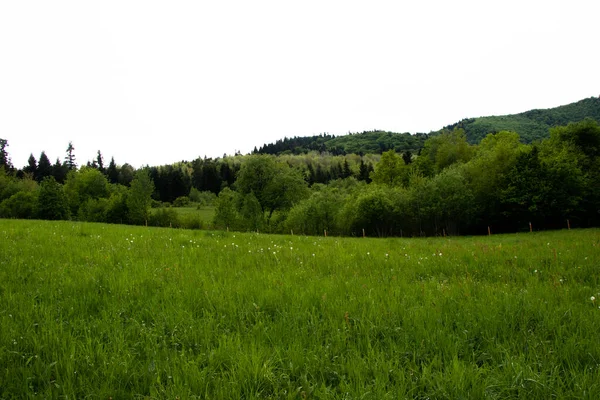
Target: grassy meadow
105 311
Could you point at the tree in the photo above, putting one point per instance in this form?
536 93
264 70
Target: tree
275 185
83 185
226 214
443 150
140 197
59 171
20 205
100 162
390 170
112 172
31 167
346 172
70 158
44 167
126 174
317 214
52 202
4 159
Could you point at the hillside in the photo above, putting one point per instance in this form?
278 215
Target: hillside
531 125
369 142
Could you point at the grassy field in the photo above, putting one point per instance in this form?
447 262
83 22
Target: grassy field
104 311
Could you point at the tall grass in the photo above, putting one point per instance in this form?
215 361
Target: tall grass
100 311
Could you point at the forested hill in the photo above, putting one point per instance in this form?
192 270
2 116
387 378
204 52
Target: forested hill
369 142
530 125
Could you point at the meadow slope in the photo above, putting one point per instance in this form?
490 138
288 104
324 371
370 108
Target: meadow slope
99 311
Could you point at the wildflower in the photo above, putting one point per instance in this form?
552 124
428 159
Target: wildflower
593 299
440 254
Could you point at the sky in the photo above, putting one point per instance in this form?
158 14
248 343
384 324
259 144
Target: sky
156 82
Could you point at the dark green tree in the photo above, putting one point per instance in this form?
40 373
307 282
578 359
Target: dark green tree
4 159
100 162
126 174
346 171
70 158
31 167
112 172
44 167
59 171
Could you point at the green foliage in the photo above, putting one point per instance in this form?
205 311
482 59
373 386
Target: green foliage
165 217
83 185
317 214
354 143
52 202
275 186
70 158
203 199
181 201
116 208
44 167
94 210
139 197
374 213
390 170
226 213
531 125
444 150
5 163
20 205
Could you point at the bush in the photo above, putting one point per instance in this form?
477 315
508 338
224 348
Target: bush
164 217
181 201
191 222
19 205
206 198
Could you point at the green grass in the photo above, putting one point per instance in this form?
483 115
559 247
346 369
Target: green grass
99 311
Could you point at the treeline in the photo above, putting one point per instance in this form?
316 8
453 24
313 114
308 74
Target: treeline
452 188
368 142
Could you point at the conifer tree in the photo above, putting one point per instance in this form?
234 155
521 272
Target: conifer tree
44 167
70 158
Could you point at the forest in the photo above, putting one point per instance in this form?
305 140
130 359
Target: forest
447 186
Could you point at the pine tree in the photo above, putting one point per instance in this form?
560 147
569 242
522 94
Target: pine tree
70 158
346 172
59 171
4 159
100 162
31 167
112 173
44 168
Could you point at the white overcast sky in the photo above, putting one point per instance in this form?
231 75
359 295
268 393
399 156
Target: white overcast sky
155 82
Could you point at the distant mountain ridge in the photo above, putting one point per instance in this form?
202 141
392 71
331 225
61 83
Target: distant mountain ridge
531 125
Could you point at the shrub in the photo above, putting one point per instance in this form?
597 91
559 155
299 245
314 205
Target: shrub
181 201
